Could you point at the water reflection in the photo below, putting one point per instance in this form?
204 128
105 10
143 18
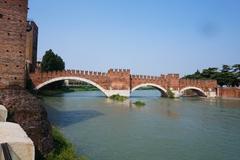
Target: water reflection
66 118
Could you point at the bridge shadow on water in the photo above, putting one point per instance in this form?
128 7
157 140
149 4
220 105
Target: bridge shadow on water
66 118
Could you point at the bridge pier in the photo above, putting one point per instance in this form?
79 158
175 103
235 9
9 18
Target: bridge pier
125 93
211 94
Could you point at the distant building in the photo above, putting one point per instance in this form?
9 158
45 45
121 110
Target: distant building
31 46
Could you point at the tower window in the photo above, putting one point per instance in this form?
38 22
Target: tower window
1 16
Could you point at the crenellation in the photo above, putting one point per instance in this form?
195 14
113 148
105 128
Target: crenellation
120 80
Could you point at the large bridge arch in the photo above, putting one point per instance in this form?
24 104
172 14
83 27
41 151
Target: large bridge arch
158 87
72 78
199 90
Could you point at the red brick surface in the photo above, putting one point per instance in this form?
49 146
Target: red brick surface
120 79
229 92
12 42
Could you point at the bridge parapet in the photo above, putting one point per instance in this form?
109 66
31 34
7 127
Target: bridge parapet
119 79
205 85
172 81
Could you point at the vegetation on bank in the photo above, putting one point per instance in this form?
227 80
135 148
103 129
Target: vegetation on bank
117 97
226 76
55 91
63 150
139 103
64 89
170 94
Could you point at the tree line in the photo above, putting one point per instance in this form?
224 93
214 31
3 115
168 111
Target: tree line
225 76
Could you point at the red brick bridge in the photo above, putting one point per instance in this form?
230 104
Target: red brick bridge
120 81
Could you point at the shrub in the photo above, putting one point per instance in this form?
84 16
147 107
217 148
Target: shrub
117 97
139 103
170 94
63 150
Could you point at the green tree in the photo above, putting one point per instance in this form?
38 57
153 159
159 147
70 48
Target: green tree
227 75
236 72
52 62
236 68
196 75
226 68
209 73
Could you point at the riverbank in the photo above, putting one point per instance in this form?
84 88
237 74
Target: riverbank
28 111
63 149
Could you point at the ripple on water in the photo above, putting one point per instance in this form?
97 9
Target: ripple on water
186 128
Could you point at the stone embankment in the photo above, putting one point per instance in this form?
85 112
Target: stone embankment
14 140
28 111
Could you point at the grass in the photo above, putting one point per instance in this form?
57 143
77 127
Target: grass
117 97
63 150
139 103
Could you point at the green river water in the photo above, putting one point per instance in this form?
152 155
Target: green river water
164 129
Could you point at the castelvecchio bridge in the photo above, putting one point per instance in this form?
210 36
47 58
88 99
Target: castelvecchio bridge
122 82
14 55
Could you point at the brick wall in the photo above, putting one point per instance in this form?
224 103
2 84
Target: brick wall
119 79
13 16
229 92
31 45
205 85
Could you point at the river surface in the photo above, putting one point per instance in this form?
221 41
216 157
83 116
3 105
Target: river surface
164 129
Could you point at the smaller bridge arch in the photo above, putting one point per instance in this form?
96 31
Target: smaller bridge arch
198 90
72 78
158 87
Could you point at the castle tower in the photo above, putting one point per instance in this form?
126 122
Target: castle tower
31 46
13 24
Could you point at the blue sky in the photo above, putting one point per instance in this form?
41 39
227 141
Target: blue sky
146 36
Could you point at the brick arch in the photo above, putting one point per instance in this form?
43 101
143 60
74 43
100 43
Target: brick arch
158 87
71 78
193 88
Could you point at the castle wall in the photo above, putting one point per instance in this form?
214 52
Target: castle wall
13 16
231 92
